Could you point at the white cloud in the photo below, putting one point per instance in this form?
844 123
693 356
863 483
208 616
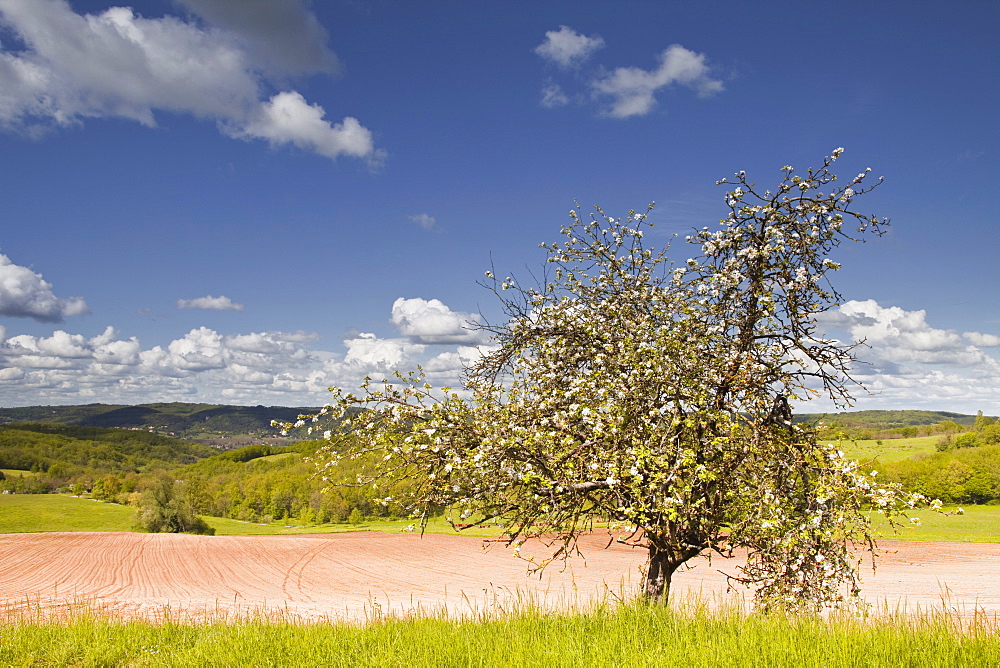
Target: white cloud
982 340
119 64
566 47
68 368
288 119
451 364
369 351
633 89
198 350
25 294
210 303
907 363
63 350
277 368
430 321
268 342
424 220
903 335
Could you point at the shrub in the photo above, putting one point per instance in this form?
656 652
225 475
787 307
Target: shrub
969 439
164 507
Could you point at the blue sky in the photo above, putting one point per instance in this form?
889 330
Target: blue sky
265 202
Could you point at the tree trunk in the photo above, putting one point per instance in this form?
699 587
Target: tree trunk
662 565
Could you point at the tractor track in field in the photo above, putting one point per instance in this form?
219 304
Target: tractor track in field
356 576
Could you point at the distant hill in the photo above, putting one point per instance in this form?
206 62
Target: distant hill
885 419
187 421
236 426
62 452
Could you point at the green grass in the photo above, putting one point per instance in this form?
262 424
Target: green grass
977 524
278 457
227 527
891 450
14 473
633 634
20 513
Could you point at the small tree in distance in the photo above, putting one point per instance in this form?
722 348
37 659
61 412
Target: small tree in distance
655 396
164 507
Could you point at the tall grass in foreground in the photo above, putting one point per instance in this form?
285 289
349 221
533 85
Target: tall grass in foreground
634 634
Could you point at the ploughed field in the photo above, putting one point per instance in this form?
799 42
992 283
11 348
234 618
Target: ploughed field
357 576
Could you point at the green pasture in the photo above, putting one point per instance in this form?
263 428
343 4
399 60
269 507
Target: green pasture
23 513
976 524
887 450
20 513
635 634
14 473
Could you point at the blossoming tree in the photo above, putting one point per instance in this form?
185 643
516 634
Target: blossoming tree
654 397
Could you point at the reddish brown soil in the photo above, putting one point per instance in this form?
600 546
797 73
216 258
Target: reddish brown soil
362 575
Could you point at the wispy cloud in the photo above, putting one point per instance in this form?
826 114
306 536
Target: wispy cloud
625 91
424 220
553 96
210 303
633 90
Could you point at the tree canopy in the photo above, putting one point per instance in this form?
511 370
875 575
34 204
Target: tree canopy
654 395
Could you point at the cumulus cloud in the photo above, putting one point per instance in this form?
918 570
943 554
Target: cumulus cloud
903 335
272 367
424 220
369 351
633 89
431 321
119 64
982 340
68 367
210 303
566 47
908 363
283 37
25 294
198 350
288 119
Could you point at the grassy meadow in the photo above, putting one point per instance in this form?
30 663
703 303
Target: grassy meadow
610 634
21 513
888 450
633 634
28 513
14 473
